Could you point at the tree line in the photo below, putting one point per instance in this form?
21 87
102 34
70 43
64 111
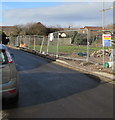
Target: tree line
40 29
33 29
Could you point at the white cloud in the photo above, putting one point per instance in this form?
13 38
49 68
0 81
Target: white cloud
68 13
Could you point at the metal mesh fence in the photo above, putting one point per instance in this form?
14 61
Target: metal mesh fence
33 42
52 46
12 40
43 46
98 52
71 44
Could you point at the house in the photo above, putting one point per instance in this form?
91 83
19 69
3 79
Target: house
7 29
95 30
87 29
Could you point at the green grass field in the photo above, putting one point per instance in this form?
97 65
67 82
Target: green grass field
66 49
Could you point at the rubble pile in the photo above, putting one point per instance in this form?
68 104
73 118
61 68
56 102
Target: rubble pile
99 53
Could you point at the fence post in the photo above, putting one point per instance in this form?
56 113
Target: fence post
57 45
34 42
87 46
48 45
29 41
20 40
42 45
16 41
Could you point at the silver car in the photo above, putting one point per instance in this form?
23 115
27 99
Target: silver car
8 75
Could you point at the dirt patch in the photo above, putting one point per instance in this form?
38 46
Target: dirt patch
91 66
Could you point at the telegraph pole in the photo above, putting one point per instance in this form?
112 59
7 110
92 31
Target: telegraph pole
103 23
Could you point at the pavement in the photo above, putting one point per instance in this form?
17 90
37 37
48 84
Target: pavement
107 77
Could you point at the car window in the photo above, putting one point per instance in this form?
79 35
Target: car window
3 57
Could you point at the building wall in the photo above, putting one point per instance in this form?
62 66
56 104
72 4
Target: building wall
7 29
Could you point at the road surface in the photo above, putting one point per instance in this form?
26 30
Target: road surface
48 90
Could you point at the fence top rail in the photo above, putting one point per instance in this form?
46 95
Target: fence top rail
31 35
64 31
105 30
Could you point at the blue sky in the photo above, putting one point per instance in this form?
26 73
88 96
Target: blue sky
77 14
13 5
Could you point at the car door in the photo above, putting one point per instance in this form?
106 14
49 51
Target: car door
4 68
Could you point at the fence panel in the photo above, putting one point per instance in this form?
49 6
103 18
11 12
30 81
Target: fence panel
99 54
52 44
37 42
69 44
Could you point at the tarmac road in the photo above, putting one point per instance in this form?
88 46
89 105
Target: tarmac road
48 90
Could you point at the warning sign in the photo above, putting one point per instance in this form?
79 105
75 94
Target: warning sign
106 40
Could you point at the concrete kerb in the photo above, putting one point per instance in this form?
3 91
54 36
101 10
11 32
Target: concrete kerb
34 52
104 76
39 54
